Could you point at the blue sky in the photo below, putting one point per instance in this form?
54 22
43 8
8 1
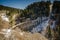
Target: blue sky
17 3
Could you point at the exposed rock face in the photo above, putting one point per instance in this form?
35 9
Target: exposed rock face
3 20
3 24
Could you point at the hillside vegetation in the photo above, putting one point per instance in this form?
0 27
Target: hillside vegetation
28 15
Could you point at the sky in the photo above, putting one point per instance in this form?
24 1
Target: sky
21 4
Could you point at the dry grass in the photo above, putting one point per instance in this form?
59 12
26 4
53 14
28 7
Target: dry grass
20 35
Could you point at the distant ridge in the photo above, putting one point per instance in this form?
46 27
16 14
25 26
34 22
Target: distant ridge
2 7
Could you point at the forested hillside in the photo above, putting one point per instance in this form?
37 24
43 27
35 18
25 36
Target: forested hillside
38 17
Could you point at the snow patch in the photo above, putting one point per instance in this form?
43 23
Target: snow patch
5 18
7 32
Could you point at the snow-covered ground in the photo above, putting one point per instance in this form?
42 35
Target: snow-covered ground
41 26
53 25
4 17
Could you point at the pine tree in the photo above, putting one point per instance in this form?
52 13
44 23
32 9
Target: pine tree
48 32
